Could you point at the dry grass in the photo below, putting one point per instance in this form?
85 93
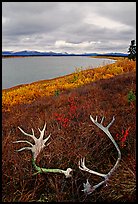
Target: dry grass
69 143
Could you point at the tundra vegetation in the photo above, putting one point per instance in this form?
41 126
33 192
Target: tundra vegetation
63 107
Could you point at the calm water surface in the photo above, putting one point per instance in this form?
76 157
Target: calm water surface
16 71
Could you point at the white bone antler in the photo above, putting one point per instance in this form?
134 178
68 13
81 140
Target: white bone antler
39 143
36 149
88 189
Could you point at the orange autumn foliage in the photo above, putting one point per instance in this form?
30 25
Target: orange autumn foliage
28 93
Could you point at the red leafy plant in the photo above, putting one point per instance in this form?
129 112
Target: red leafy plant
62 120
122 138
72 114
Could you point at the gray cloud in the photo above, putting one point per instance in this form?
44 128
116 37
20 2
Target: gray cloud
68 26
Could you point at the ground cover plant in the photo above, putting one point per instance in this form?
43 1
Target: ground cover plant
29 93
65 104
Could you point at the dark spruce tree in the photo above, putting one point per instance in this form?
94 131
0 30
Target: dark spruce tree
132 50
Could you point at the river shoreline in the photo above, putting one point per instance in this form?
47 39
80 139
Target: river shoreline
50 76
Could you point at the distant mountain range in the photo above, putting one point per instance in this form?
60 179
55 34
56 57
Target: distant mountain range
36 53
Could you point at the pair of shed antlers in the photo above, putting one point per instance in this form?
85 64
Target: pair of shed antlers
40 144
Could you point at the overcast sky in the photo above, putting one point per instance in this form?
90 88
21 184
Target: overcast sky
73 27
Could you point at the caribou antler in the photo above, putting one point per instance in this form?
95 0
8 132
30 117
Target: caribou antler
39 143
88 189
36 149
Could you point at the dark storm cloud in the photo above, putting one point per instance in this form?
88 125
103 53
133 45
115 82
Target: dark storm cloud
68 26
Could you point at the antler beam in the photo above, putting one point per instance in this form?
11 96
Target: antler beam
88 189
36 149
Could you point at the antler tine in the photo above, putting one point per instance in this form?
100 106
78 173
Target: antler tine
81 164
27 148
87 187
110 123
36 149
45 140
84 168
24 141
106 131
100 124
102 120
33 132
32 136
39 143
42 131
